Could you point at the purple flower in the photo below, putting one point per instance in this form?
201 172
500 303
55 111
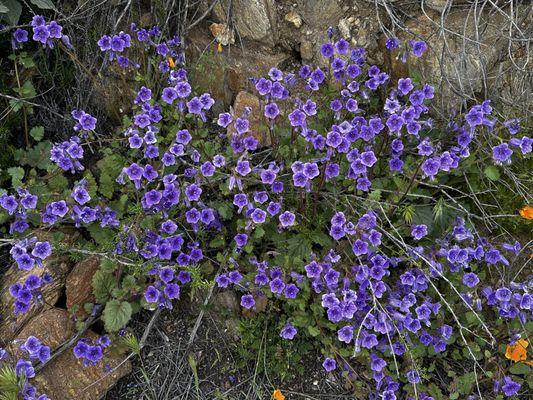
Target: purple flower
41 250
327 50
94 354
41 34
80 350
241 239
169 95
288 332
193 192
329 364
431 166
263 86
271 110
258 216
359 247
151 294
405 86
419 231
9 203
152 198
172 291
345 334
501 153
418 47
297 118
392 43
243 168
313 269
376 363
224 120
291 291
287 219
247 301
470 279
20 35
510 387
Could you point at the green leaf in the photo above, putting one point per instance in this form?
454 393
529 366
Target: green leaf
43 4
313 330
103 283
3 8
116 315
520 369
14 9
492 173
37 133
16 174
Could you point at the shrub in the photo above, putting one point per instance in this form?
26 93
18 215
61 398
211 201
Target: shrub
333 208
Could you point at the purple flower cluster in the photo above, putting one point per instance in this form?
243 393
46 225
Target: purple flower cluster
166 286
67 155
91 351
19 206
43 32
24 369
118 46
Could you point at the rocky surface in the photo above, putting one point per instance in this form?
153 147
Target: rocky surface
469 54
79 284
11 323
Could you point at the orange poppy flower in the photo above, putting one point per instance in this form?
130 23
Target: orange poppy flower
171 62
277 395
517 351
219 48
526 212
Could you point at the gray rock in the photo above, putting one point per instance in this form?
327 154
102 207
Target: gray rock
441 5
254 19
459 57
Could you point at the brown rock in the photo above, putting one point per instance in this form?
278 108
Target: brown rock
225 74
243 101
79 288
10 323
222 33
65 377
294 18
52 327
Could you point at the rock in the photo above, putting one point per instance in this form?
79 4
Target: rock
65 377
57 266
345 25
457 66
254 19
441 5
10 323
294 18
79 289
246 100
226 74
222 34
223 307
306 50
52 327
225 302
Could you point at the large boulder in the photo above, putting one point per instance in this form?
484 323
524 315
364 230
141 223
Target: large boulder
459 55
78 283
254 19
11 323
65 377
